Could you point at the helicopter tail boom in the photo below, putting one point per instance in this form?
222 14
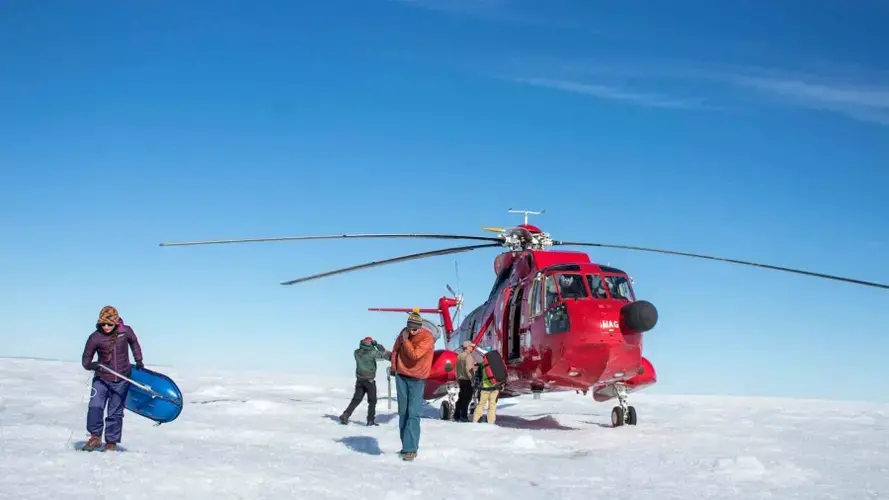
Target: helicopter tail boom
443 309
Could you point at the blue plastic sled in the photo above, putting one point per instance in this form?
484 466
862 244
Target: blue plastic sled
153 395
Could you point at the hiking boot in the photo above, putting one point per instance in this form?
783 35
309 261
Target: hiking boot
110 446
409 456
344 420
372 422
94 442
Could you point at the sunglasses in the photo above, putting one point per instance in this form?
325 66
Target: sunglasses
106 324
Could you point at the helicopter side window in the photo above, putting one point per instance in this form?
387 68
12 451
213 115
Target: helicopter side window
470 325
597 286
571 286
550 293
620 289
557 320
534 298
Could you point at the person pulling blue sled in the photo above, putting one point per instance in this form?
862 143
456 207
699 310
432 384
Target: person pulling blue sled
120 385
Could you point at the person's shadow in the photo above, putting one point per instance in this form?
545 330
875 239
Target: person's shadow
77 445
362 444
382 418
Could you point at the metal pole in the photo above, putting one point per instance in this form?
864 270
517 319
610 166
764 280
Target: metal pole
149 390
389 384
137 384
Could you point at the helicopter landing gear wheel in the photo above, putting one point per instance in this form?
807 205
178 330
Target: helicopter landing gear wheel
617 416
622 414
447 410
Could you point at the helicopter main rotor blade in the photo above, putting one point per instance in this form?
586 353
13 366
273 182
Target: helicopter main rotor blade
732 261
332 236
403 258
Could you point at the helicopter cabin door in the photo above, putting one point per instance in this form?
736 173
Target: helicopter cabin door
513 321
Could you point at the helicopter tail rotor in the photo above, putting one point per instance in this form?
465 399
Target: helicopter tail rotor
457 295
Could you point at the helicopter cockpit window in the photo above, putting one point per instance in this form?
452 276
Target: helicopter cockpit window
597 286
557 320
620 289
571 286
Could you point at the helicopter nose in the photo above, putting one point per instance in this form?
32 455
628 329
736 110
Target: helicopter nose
640 316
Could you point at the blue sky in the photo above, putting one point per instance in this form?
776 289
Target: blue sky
753 130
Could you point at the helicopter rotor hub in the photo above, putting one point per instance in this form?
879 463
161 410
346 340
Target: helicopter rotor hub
520 239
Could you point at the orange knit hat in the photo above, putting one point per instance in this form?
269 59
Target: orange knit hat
109 315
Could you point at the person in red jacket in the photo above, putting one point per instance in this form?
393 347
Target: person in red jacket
112 341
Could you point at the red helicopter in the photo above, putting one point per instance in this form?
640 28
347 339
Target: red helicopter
559 321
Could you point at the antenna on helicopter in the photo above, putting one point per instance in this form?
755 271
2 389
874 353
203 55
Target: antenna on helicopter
526 213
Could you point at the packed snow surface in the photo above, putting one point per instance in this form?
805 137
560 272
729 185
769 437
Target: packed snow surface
275 436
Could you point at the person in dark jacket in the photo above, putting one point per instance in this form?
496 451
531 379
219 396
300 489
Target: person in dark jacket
111 341
465 376
366 356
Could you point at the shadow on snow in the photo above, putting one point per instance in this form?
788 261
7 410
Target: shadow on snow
77 445
362 444
381 418
547 422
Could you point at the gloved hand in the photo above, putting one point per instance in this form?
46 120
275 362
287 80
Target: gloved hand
92 365
390 372
140 365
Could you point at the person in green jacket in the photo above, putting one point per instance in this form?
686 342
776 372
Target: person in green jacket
366 356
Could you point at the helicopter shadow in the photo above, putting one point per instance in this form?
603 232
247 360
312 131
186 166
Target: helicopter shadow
598 424
434 412
362 444
547 422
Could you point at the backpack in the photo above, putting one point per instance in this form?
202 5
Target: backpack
495 370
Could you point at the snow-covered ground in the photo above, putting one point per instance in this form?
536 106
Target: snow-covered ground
264 436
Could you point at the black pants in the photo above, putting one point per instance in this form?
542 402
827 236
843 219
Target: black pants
462 409
362 387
